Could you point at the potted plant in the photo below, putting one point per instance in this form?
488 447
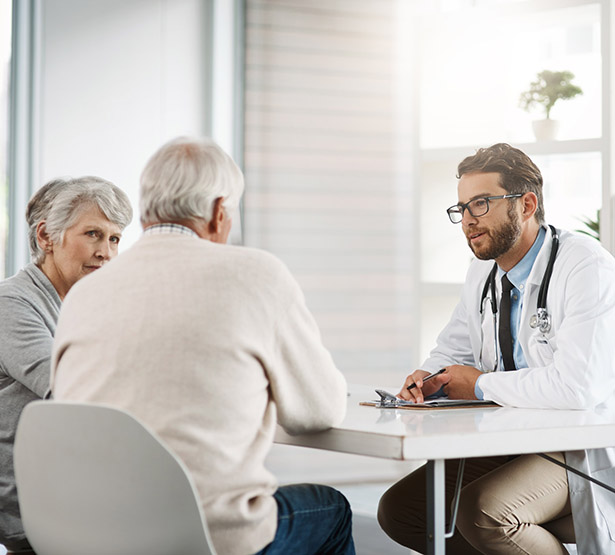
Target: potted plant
592 225
545 91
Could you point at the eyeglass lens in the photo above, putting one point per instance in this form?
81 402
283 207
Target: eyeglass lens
477 207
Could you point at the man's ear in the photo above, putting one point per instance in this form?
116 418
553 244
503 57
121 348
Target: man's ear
530 205
42 237
218 216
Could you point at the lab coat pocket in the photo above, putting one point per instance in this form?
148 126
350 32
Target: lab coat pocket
541 350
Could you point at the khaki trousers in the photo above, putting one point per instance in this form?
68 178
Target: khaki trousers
507 506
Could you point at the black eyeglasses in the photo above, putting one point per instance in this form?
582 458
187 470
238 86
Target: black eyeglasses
476 207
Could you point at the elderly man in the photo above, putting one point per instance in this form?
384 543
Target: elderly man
209 345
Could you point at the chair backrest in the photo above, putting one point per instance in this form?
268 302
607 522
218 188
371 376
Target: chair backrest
92 479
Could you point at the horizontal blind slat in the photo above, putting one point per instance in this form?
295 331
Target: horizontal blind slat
328 187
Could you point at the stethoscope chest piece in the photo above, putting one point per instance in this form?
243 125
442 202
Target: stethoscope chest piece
542 321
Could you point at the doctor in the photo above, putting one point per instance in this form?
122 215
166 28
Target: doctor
560 354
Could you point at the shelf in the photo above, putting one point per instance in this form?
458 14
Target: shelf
458 153
508 9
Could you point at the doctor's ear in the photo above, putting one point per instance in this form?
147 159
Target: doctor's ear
529 204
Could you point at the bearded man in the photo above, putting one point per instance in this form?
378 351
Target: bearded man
551 297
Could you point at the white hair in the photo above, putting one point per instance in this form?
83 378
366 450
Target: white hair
60 202
184 178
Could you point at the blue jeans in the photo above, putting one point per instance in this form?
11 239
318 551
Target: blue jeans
312 520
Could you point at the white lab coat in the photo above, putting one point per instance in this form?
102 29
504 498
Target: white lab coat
570 367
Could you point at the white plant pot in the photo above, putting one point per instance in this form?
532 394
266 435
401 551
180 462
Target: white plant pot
545 129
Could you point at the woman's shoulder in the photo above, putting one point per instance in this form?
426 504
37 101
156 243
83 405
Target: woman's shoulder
29 286
19 284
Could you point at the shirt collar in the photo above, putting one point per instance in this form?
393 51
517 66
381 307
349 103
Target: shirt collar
519 274
178 229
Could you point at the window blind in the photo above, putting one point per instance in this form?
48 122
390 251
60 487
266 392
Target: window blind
327 160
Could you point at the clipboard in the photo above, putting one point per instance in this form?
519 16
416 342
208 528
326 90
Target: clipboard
389 401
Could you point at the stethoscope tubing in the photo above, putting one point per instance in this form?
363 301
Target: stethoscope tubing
541 319
546 279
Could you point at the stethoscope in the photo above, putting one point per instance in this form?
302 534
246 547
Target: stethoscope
540 320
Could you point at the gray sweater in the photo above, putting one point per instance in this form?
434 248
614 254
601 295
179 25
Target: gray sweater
29 309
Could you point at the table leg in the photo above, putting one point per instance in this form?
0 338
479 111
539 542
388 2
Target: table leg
435 508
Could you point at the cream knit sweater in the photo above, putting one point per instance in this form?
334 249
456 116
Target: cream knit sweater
209 345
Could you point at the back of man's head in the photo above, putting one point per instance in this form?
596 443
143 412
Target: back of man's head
183 179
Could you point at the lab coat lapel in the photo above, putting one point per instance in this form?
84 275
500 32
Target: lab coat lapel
530 297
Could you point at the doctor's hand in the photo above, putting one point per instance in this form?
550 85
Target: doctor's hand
461 382
421 390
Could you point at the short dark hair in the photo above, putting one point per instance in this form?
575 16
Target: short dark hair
518 174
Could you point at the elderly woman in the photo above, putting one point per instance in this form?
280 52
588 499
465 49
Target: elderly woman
75 226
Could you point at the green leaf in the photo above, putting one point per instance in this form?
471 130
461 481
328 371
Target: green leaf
547 89
593 226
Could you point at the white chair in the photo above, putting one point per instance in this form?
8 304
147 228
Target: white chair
93 480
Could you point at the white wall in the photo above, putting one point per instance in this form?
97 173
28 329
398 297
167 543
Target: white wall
119 78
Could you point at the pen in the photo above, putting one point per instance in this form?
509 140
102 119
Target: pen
426 379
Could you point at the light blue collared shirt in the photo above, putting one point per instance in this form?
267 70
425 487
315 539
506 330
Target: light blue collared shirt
518 277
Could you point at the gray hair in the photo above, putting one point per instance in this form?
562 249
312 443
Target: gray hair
183 179
61 201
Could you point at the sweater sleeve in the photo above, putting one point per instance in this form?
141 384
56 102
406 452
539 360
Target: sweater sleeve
308 389
25 351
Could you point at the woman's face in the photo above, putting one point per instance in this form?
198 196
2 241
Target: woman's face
88 244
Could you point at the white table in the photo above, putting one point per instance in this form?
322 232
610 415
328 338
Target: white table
437 435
